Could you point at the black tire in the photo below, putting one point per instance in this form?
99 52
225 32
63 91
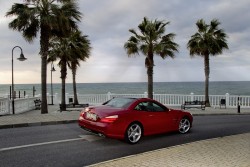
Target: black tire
133 133
184 125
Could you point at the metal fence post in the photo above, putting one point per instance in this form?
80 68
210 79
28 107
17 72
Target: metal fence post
239 101
192 96
109 95
227 100
67 98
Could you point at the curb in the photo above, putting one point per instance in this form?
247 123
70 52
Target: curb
213 114
75 121
37 124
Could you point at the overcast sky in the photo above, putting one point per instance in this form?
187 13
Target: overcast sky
107 22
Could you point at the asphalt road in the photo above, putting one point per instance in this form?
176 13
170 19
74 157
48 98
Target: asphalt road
69 145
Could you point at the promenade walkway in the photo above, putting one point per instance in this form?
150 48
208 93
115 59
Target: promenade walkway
34 117
54 116
229 151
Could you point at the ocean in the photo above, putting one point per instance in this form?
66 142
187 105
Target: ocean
215 88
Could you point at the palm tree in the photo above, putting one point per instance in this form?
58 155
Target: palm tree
69 50
209 40
81 50
60 50
150 41
50 18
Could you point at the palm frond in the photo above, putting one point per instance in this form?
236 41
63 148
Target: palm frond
208 40
151 39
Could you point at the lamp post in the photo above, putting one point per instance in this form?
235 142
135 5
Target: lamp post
52 70
21 58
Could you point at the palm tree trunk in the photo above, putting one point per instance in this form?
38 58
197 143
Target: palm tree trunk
63 77
44 53
74 86
150 66
207 71
150 82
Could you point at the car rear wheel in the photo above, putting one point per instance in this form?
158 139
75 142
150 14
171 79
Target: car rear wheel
184 125
133 133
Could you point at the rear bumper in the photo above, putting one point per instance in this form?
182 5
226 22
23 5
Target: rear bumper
103 129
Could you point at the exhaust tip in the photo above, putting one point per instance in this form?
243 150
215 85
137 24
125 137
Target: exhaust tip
101 135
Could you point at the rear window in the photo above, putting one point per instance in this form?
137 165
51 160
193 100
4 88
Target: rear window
150 106
119 102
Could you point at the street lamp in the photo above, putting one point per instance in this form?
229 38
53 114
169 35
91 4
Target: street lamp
52 70
21 58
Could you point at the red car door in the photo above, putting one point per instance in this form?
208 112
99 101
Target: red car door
154 117
166 121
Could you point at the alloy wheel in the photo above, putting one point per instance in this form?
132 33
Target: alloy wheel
184 125
134 133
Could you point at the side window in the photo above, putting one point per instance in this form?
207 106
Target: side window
141 106
158 107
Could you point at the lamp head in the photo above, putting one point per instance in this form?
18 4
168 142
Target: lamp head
21 58
53 69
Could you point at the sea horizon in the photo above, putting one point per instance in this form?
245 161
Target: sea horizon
48 82
185 87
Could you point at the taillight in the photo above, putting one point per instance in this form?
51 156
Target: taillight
87 109
109 119
82 113
81 117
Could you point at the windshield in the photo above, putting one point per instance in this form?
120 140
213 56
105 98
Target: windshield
119 102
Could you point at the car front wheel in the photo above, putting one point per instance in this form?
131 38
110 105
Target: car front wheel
133 133
184 125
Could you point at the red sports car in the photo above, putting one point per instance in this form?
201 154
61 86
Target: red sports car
132 118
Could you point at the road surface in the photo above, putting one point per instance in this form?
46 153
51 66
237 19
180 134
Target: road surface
69 145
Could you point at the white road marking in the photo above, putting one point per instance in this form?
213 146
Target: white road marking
82 137
91 138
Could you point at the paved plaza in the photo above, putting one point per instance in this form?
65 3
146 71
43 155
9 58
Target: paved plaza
229 151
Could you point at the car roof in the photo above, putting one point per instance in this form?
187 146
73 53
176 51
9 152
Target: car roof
136 98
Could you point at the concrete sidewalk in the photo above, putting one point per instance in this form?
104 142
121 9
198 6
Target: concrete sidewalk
35 118
230 151
54 116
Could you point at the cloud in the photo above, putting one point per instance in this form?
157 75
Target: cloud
107 23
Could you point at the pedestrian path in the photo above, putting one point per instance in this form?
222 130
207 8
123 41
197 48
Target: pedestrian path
34 117
229 151
54 116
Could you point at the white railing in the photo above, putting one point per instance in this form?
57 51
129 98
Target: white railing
21 105
97 99
167 99
24 105
27 104
4 106
244 101
49 98
4 95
